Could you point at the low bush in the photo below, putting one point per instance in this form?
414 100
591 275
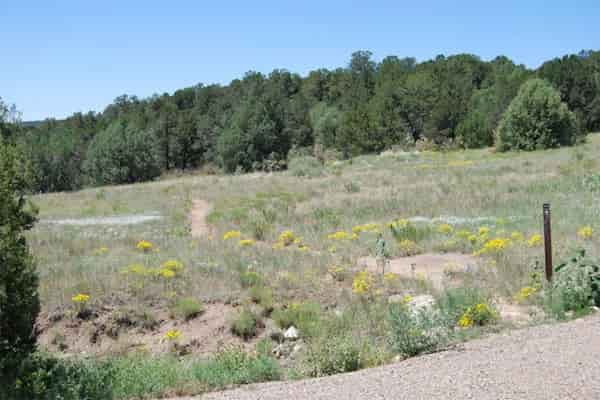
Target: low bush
575 287
305 317
233 366
306 166
245 324
45 377
416 332
455 302
329 355
186 308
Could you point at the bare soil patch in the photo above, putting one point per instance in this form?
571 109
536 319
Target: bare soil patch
108 332
437 268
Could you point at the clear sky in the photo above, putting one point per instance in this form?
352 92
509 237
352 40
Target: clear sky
59 57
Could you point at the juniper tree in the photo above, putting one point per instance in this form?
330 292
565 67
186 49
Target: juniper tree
19 301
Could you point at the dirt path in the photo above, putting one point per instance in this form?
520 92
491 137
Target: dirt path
200 211
560 361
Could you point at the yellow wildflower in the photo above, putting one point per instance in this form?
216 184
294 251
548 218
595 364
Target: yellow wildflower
390 277
465 321
286 238
173 334
173 265
585 232
246 242
473 239
524 293
80 298
445 229
517 236
483 231
144 245
362 283
342 235
535 240
231 235
408 247
166 273
495 245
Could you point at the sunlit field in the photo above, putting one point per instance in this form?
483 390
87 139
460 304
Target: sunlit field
315 251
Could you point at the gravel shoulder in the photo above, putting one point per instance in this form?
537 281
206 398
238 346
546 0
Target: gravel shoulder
559 361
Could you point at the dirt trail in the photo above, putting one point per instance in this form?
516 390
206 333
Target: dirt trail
560 361
200 211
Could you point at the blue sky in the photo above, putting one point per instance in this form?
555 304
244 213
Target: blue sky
59 57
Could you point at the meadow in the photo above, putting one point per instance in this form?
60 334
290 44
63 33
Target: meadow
289 249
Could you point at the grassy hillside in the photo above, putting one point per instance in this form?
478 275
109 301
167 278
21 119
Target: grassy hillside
458 202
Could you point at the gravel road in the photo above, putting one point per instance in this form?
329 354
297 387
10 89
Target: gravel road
560 361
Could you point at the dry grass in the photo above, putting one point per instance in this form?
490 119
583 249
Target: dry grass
507 188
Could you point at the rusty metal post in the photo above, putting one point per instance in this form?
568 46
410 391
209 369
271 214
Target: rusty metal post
548 241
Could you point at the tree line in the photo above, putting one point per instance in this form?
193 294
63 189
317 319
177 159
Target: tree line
256 122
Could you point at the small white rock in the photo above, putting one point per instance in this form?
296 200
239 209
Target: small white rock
291 333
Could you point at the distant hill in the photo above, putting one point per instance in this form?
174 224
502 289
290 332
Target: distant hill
31 124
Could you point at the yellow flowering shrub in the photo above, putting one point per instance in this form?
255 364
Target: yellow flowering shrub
408 247
246 242
524 293
473 239
446 229
342 235
484 231
362 283
172 265
173 334
80 298
390 277
367 228
166 273
535 240
517 236
231 235
496 245
481 314
400 223
286 238
144 245
585 232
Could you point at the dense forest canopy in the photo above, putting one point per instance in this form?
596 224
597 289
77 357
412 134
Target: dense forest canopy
255 122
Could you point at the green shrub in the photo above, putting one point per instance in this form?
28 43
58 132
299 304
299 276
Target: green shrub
262 295
416 332
576 285
19 300
187 308
330 355
245 324
454 302
306 317
537 119
44 377
146 377
233 366
306 166
251 278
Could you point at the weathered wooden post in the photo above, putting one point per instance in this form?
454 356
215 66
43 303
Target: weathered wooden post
548 241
